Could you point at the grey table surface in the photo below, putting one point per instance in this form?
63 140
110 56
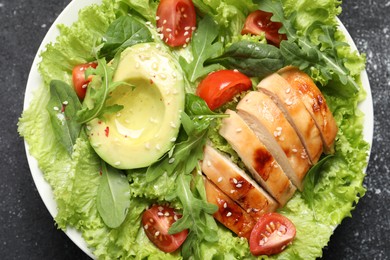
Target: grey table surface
27 230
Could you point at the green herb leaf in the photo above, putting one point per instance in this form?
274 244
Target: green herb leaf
62 107
197 215
312 177
203 47
113 196
252 59
314 56
124 32
98 91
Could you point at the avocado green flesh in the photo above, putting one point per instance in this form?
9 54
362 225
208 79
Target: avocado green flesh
149 122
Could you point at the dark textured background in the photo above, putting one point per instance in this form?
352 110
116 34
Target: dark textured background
27 230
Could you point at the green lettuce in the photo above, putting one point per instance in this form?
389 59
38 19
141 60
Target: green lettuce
75 179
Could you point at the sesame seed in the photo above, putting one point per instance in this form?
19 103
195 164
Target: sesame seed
157 233
188 40
56 108
235 180
151 220
173 139
168 30
279 233
239 185
228 214
279 128
187 28
182 9
160 208
84 86
158 147
89 127
248 210
225 205
118 114
159 29
184 45
65 102
186 33
157 18
220 179
166 214
238 130
193 28
288 90
232 191
146 226
173 125
171 160
294 150
289 102
147 146
175 217
160 214
117 163
208 163
164 21
185 15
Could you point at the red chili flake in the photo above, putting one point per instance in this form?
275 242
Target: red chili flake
107 131
100 172
99 122
63 108
151 81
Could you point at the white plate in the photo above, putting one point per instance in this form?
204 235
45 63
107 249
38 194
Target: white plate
67 17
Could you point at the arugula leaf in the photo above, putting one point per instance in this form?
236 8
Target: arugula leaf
98 91
197 216
203 47
124 32
250 58
62 108
312 178
312 55
113 196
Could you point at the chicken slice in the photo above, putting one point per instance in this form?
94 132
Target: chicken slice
279 90
261 164
235 183
272 128
315 103
229 213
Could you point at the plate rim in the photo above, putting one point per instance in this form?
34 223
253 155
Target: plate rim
69 15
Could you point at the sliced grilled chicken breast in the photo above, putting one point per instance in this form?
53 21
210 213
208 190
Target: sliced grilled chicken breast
229 213
271 126
290 103
236 184
315 103
259 161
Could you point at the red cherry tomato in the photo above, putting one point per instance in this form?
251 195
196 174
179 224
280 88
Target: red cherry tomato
156 222
221 86
271 234
80 83
176 20
258 22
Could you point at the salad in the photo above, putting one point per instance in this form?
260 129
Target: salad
141 100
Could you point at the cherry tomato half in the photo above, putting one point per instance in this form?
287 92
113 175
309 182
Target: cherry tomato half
80 83
271 234
258 22
221 86
156 222
176 20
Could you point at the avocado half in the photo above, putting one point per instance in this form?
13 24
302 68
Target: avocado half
147 126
